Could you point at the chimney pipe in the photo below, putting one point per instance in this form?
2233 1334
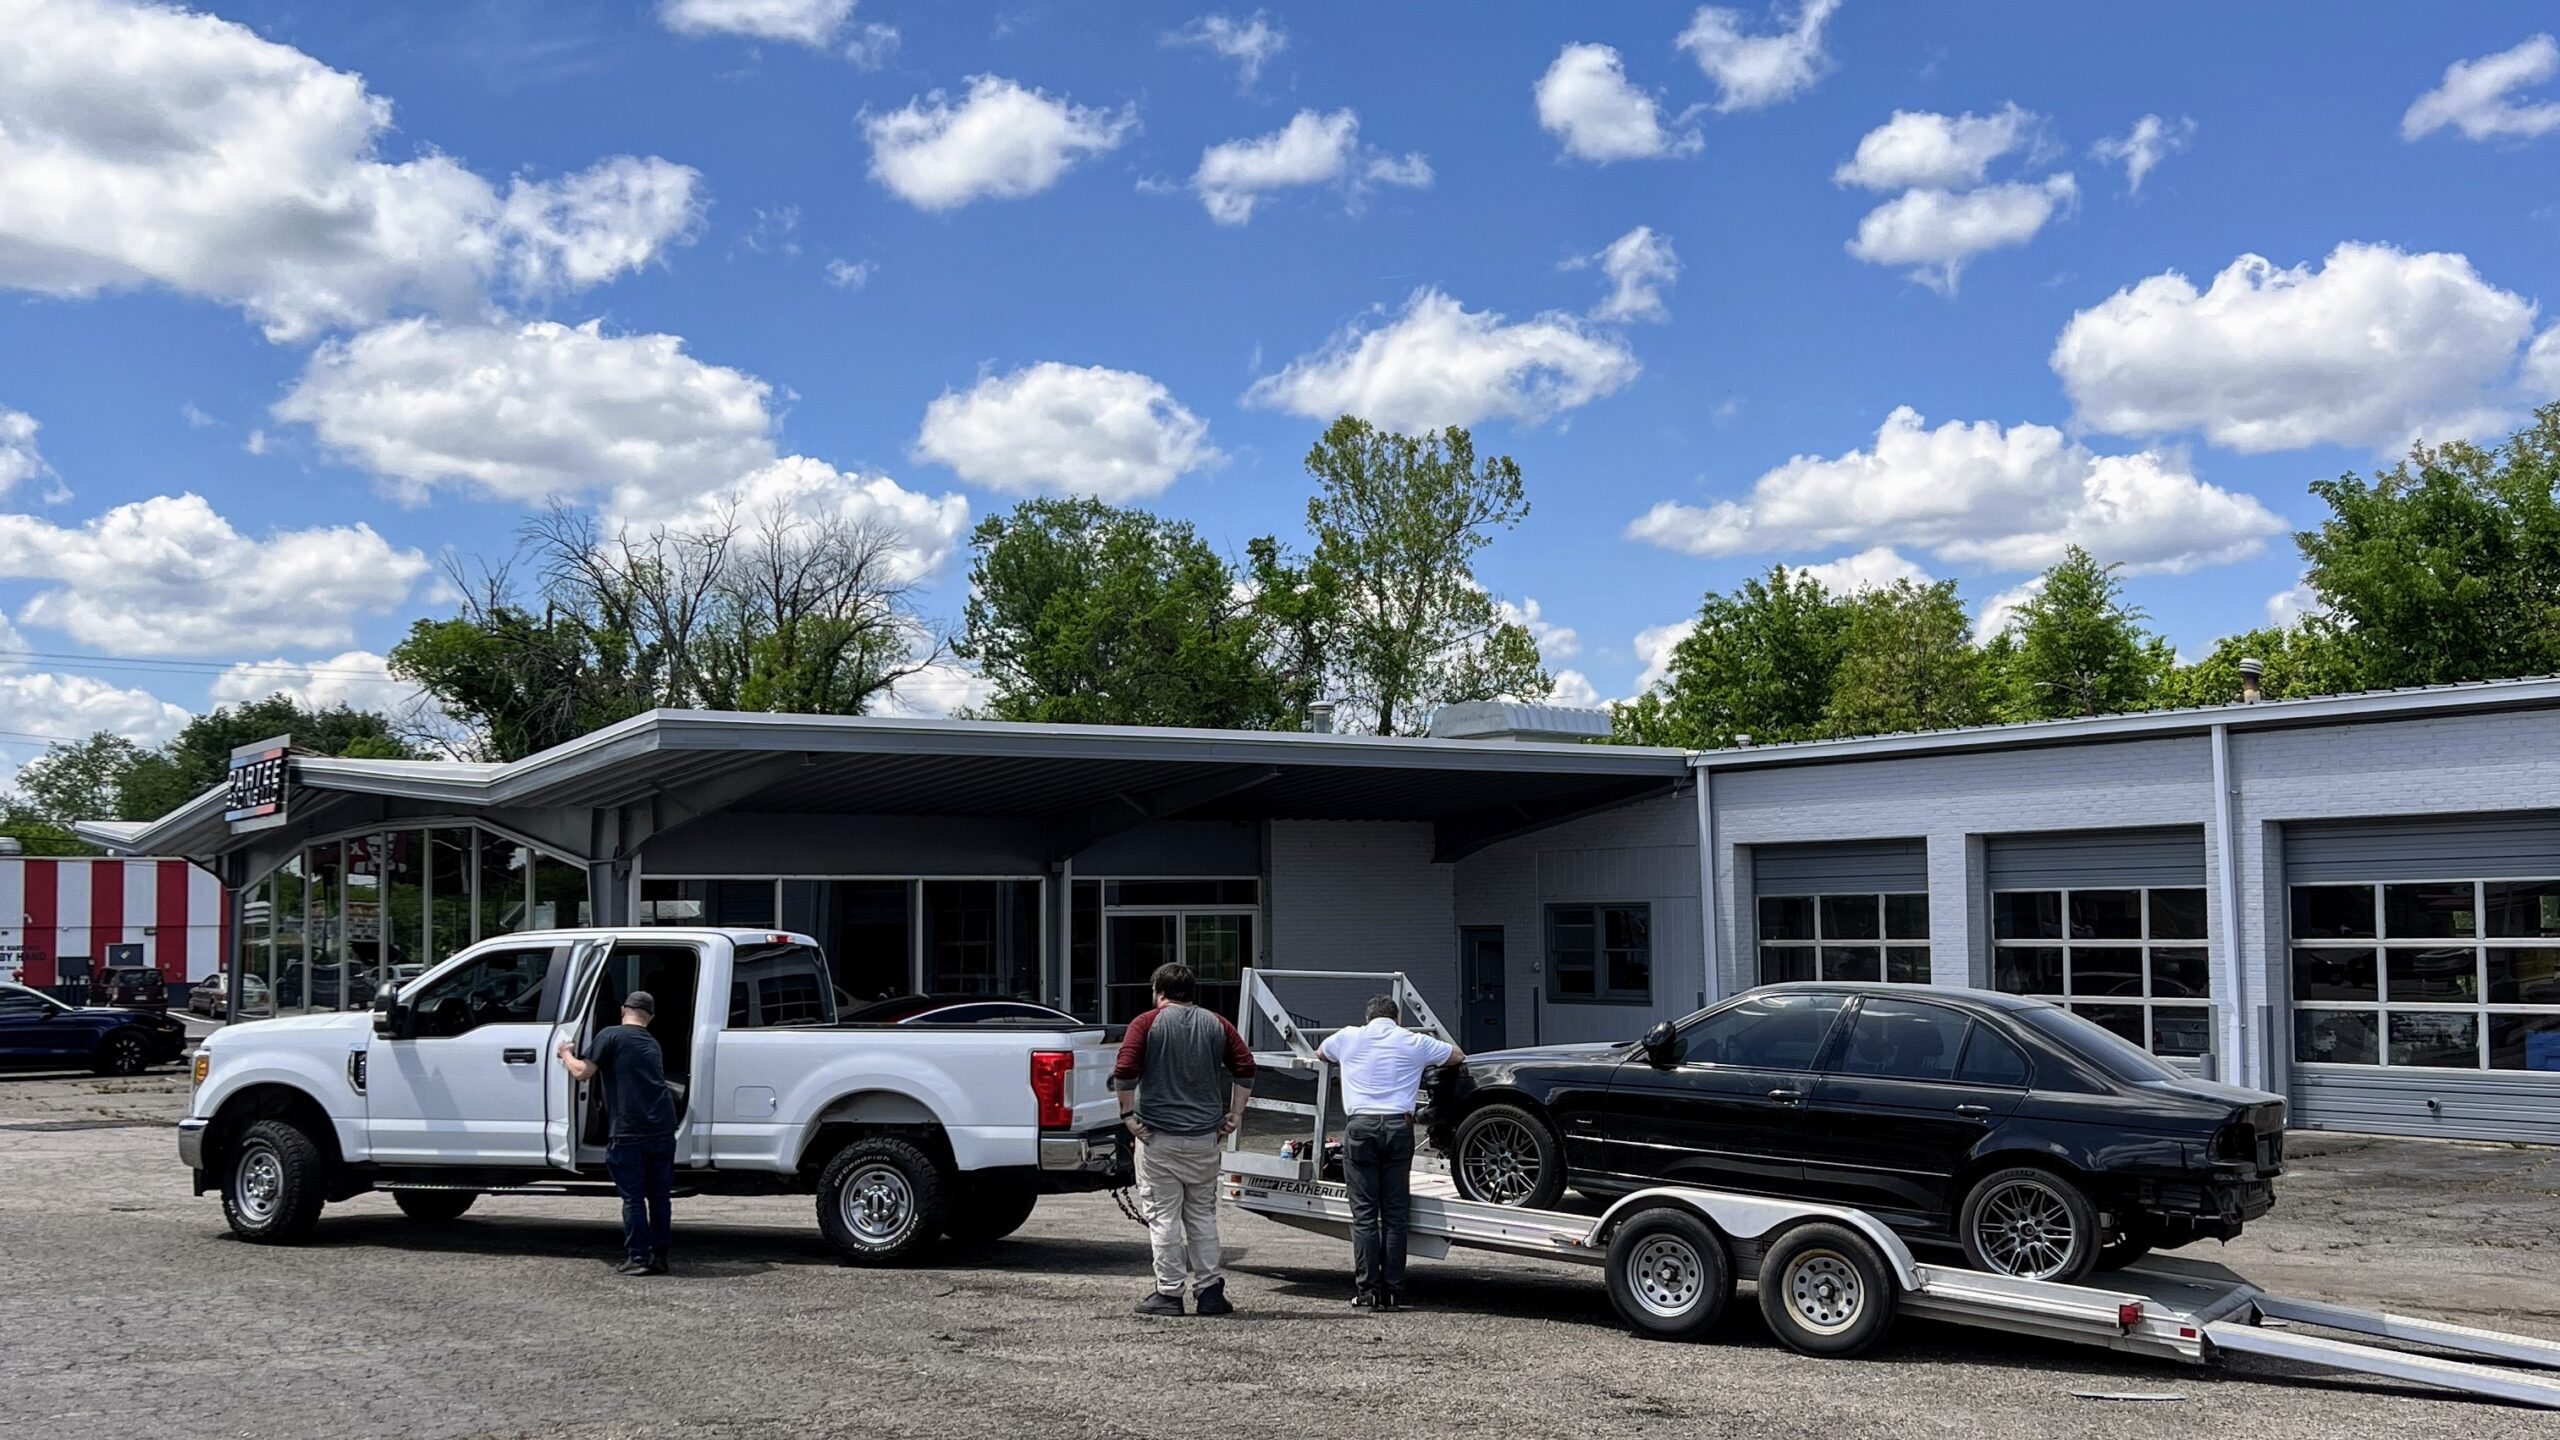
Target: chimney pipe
1320 717
2250 670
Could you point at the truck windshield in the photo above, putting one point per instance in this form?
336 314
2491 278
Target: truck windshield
773 985
2096 1044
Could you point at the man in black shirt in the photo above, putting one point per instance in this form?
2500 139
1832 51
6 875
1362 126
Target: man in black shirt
642 1153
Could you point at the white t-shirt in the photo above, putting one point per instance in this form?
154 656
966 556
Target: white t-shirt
1382 1064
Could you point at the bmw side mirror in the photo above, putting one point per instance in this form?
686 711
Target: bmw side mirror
1660 1042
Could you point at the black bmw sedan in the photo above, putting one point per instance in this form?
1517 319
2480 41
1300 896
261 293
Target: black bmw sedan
2044 1145
40 1032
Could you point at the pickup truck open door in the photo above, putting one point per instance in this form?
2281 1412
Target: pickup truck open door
563 1095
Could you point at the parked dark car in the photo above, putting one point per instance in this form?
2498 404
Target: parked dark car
2043 1144
133 987
952 1010
40 1032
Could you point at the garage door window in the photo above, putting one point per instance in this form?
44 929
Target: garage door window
1844 937
1600 952
2435 975
2133 960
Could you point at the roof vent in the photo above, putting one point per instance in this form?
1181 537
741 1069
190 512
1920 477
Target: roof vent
1505 720
10 845
2250 671
1320 717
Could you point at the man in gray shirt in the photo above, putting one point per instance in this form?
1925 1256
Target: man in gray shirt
1183 1077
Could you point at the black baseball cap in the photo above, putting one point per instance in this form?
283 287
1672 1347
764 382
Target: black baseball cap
642 1001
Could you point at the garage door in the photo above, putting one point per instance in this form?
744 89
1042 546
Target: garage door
2423 973
1857 910
2111 923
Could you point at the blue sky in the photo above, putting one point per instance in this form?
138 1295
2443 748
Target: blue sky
324 266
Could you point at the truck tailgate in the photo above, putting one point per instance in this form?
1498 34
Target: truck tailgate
1096 1107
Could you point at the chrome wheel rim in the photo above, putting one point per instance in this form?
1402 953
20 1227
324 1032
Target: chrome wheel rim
1501 1162
877 1204
1666 1276
259 1185
1824 1291
2023 1228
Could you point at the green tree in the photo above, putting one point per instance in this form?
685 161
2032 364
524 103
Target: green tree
198 759
1398 521
35 834
1762 661
1907 662
2296 661
78 779
1083 613
2445 567
2076 648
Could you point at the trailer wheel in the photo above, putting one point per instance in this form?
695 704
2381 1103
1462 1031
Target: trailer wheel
880 1200
986 1209
1669 1274
1509 1155
1825 1291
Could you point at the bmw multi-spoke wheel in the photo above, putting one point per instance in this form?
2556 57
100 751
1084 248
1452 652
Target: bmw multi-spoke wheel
1507 1155
2030 1223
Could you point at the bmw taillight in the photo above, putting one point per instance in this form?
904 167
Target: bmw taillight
1051 1072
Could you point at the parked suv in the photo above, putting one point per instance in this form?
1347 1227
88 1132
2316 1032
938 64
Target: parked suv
2043 1144
134 988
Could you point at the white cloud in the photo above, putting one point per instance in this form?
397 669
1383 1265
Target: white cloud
1920 149
942 688
1064 429
359 679
1938 231
2001 610
1437 363
1555 642
1574 688
2141 149
256 442
1654 646
168 576
1752 71
195 416
2541 373
1586 100
1874 568
849 274
1975 494
927 526
1000 142
1640 266
20 461
39 702
1311 149
2477 97
2288 606
141 145
525 412
818 24
1250 42
2375 348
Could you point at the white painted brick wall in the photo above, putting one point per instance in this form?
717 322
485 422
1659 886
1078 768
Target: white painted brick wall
1355 895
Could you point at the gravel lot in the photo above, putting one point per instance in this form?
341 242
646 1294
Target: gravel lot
128 1310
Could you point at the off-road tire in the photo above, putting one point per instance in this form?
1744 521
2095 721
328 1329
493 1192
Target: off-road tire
434 1207
273 1184
1528 1173
881 1201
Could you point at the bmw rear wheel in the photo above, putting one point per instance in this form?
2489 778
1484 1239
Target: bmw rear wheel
2030 1223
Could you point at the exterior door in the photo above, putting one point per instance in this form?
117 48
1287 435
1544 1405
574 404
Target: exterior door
1724 1106
1480 978
467 1088
1905 1100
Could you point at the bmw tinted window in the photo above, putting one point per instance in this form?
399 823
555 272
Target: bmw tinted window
2101 1047
1765 1032
1990 1059
1898 1040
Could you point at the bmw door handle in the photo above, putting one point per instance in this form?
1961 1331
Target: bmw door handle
1973 1112
525 1056
1787 1097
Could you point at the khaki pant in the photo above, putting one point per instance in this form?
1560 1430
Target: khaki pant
1178 1186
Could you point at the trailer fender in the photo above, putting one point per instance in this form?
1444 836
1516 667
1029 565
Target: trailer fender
1747 1217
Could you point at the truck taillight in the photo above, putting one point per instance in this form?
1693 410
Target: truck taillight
1050 1073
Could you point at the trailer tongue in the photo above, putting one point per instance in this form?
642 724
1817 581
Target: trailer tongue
1831 1279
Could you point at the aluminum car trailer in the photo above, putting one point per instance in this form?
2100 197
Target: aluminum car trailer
1831 1279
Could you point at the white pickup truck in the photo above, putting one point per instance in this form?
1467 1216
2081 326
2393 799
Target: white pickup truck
449 1090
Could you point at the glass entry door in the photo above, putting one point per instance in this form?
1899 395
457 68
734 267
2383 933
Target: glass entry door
1217 947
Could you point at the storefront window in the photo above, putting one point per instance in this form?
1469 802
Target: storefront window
2437 975
449 891
504 905
560 894
982 937
2133 960
320 982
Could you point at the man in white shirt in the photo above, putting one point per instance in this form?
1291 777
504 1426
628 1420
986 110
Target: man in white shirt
1381 1064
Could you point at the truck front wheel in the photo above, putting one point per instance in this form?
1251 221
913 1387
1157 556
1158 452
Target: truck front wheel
433 1207
985 1208
881 1200
271 1192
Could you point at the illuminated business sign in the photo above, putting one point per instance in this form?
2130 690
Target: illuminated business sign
260 784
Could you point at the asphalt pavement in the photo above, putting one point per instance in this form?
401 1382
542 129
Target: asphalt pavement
130 1311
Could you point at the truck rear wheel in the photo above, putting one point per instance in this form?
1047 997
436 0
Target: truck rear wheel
271 1192
434 1207
987 1209
880 1200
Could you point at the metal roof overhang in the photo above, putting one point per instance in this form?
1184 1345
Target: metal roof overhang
1080 782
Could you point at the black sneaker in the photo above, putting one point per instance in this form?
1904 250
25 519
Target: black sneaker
1391 1300
657 1262
1365 1299
1159 1303
634 1267
1211 1299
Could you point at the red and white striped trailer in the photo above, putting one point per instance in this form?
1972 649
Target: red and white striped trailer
74 907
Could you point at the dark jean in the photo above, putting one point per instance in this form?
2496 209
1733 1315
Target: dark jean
1377 1163
644 1171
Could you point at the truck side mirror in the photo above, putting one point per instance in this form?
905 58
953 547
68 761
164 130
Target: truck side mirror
395 1021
